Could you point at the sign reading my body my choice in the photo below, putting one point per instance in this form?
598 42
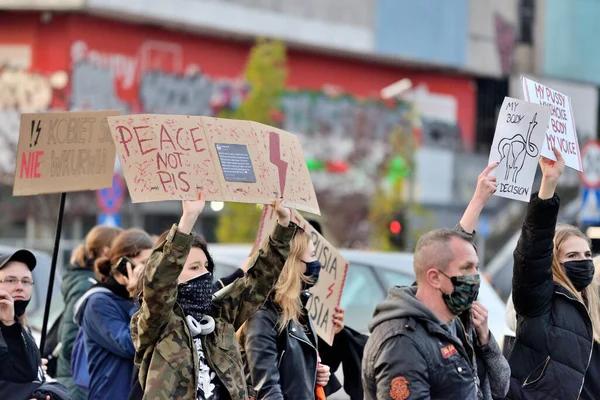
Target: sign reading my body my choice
64 152
170 157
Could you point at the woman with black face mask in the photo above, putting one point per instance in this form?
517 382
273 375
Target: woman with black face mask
556 354
279 343
184 335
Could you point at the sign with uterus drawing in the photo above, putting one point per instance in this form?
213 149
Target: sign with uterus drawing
519 137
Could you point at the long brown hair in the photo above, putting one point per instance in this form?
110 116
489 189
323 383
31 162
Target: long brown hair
99 238
289 285
588 296
129 243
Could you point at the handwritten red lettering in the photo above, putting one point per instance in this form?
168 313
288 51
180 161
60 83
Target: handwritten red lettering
140 141
179 142
124 141
196 140
30 164
165 138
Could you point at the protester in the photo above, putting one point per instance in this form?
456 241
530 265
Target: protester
279 343
184 336
432 341
76 280
556 353
104 314
21 368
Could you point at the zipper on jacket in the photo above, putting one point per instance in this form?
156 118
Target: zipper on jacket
545 362
591 351
194 354
316 351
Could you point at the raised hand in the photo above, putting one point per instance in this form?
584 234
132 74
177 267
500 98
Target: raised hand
480 320
486 184
283 213
191 211
7 308
552 169
551 172
338 320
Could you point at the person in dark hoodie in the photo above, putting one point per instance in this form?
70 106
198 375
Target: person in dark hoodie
420 347
104 314
77 279
21 371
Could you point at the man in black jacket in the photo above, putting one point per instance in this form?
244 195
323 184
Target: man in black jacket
21 375
19 356
418 348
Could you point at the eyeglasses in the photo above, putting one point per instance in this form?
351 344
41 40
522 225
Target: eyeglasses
13 282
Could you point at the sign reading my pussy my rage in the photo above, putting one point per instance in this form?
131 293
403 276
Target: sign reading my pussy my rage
64 152
171 157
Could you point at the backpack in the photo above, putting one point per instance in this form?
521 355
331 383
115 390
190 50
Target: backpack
79 362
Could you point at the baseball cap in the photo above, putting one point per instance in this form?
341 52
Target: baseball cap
24 256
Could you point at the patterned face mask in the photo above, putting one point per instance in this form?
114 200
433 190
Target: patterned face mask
466 289
195 296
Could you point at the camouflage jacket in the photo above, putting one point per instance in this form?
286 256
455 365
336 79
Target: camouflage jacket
165 352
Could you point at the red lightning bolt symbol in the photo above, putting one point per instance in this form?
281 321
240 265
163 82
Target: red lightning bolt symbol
275 158
330 289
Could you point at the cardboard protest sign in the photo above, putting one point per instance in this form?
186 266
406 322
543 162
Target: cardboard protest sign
64 152
561 128
170 157
519 137
327 293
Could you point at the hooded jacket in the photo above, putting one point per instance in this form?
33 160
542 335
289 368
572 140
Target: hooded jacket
104 318
76 281
411 354
166 355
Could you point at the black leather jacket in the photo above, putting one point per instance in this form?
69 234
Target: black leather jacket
279 365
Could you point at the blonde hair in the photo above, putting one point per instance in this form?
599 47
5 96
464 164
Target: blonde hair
289 285
99 238
589 296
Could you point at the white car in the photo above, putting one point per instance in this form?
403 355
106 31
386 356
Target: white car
369 277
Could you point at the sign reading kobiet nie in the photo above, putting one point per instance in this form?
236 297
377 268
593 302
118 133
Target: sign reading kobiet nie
64 152
171 157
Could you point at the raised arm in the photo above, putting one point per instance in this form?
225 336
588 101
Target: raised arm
161 278
486 186
244 297
533 286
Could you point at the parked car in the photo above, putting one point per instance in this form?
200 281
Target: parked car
36 307
369 277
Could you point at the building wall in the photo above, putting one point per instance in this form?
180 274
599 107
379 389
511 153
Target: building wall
433 31
569 47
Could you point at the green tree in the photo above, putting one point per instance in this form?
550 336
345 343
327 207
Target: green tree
266 73
390 195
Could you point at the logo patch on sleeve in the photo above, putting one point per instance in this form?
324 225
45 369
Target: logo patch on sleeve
399 388
448 351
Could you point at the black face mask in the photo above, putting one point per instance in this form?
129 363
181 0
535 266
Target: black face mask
195 296
20 306
580 273
313 269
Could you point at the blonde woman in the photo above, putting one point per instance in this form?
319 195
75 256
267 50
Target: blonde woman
556 353
279 343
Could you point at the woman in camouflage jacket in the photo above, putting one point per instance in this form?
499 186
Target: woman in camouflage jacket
173 357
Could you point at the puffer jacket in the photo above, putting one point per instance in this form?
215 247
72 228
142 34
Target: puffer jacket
165 351
554 339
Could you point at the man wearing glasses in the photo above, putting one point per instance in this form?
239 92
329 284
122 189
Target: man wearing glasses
19 356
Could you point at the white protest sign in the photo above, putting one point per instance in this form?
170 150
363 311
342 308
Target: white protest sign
561 127
519 137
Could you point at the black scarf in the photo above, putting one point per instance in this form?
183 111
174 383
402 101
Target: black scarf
195 296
